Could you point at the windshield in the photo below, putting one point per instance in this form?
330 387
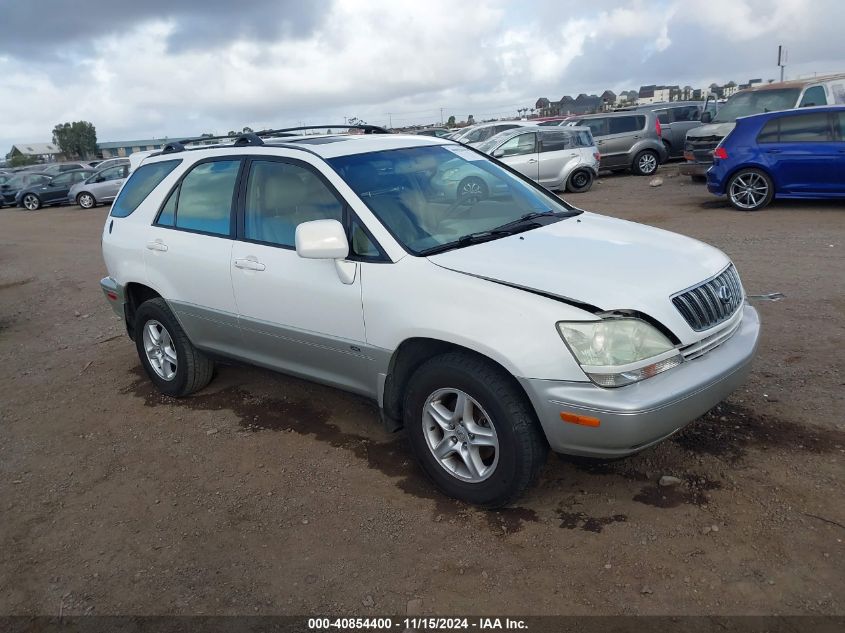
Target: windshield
755 102
432 197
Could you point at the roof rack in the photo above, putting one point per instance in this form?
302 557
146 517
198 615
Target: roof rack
255 138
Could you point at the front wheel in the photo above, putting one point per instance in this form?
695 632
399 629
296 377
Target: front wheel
750 190
473 430
645 163
580 181
86 200
171 361
31 202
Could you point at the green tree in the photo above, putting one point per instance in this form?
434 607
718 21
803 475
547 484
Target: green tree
232 133
470 120
76 140
451 121
247 130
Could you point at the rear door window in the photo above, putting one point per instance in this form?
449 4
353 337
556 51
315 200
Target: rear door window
140 185
803 128
685 114
626 124
555 141
598 127
204 199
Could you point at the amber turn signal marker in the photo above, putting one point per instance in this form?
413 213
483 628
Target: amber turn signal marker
583 420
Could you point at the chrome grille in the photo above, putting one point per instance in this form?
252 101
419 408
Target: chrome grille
712 301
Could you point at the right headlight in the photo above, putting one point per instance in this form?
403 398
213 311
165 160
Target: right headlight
619 351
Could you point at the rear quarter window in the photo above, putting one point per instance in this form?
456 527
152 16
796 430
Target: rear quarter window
624 124
140 184
803 128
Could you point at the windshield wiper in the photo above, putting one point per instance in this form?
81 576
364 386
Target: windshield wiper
520 225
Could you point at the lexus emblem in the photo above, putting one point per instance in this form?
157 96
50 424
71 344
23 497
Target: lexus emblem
724 294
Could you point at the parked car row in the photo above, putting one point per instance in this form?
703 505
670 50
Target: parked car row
84 186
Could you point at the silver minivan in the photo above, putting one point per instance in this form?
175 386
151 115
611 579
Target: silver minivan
557 158
101 187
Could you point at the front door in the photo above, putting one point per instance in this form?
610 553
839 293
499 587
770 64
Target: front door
296 315
522 154
188 250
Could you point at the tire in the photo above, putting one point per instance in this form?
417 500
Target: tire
750 190
193 369
31 202
579 181
501 416
472 187
645 163
86 200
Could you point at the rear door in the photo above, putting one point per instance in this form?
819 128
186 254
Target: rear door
188 251
56 190
683 119
622 133
801 154
558 157
522 154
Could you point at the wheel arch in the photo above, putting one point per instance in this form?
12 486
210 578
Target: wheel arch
82 192
733 172
135 293
411 354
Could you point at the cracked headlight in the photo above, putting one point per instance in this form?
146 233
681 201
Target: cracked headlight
618 352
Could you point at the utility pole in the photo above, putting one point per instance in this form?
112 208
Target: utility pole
389 120
441 116
782 56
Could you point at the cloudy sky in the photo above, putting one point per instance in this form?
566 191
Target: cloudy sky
173 68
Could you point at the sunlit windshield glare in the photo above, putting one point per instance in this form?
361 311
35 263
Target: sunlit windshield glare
755 102
434 195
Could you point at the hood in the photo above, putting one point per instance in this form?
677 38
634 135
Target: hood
599 261
720 130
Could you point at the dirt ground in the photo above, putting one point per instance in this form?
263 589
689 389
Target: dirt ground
265 494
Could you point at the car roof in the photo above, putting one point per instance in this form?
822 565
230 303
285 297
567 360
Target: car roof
616 113
774 114
795 83
326 146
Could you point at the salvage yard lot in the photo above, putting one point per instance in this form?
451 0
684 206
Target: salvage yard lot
267 494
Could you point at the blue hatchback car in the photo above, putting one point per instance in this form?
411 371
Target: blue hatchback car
787 154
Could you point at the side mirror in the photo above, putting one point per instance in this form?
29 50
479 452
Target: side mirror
706 117
321 239
498 153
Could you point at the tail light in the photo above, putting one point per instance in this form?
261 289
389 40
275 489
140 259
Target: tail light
657 128
720 152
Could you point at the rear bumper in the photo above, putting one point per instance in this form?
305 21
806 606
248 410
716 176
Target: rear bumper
114 294
637 416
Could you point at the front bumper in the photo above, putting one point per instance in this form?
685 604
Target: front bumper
637 416
691 168
115 295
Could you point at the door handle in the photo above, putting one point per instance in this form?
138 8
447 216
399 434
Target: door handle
157 245
249 263
532 160
773 151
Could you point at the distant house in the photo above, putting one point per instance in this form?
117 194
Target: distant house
117 149
43 152
608 99
729 89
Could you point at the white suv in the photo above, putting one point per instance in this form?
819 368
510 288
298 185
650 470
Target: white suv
491 328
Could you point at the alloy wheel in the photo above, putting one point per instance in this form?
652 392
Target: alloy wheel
160 350
460 435
749 190
30 202
647 163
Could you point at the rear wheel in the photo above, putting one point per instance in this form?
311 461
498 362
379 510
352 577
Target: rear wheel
645 163
86 200
472 430
171 361
750 190
31 202
580 181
